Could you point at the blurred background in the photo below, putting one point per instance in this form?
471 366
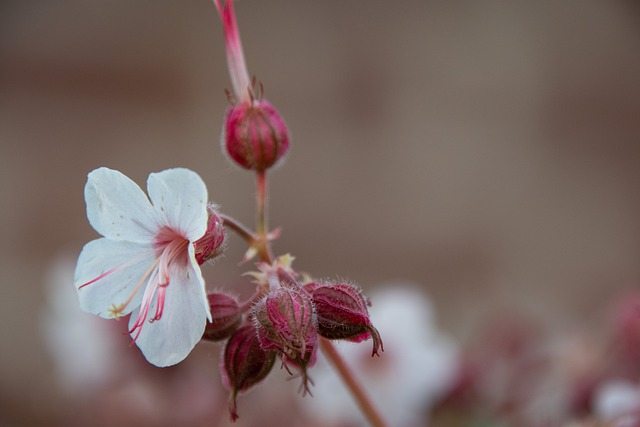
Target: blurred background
484 152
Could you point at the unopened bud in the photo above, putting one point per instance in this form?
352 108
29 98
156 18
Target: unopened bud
225 317
255 134
342 314
285 320
245 364
211 244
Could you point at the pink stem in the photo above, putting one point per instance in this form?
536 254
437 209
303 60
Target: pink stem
235 56
367 407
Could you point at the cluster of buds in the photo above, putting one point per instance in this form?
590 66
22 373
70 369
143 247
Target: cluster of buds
285 321
285 318
147 264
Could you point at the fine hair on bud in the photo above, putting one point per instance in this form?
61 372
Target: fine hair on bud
226 316
255 135
213 243
342 313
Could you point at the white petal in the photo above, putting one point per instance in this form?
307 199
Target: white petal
196 270
180 198
101 256
169 340
118 209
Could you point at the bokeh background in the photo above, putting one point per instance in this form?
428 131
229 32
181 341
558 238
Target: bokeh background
486 151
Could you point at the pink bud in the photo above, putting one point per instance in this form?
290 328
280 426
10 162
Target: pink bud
255 134
245 364
225 317
342 314
285 321
211 244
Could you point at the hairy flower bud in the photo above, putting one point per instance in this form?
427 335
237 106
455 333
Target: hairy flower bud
225 317
255 135
285 321
211 244
342 314
245 364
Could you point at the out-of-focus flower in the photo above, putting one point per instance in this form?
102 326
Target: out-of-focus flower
145 264
83 347
617 398
416 369
626 334
103 383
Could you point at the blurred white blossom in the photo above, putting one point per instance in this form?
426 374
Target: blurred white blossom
81 345
417 367
617 398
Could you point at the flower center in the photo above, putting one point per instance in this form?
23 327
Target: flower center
172 252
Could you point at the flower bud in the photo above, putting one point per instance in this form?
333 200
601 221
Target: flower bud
211 244
342 314
245 364
225 317
285 321
255 135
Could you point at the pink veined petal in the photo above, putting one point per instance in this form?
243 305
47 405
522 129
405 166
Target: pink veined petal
168 340
179 197
118 209
107 274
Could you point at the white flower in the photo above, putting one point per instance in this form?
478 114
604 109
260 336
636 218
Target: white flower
145 264
617 398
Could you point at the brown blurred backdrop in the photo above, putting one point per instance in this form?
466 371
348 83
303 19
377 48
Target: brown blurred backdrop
487 151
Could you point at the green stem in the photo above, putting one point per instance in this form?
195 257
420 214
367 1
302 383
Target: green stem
367 407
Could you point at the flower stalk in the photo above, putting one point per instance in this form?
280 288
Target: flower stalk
235 56
256 138
366 405
263 245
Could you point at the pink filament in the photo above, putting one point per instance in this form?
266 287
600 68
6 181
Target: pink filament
173 252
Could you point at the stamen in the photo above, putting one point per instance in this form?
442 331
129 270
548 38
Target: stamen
139 284
162 291
157 284
147 298
116 311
